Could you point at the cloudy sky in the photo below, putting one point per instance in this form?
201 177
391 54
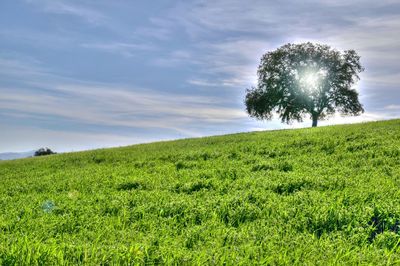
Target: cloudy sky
87 74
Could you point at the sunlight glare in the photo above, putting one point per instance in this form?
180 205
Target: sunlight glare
311 80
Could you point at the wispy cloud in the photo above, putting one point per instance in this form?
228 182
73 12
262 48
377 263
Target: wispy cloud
234 61
176 58
110 104
121 108
178 69
393 107
124 49
62 141
249 30
68 8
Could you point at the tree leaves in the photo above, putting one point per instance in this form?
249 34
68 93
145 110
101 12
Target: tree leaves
281 87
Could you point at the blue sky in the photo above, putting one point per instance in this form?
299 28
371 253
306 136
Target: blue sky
80 75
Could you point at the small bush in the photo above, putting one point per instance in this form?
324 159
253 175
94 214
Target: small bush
44 151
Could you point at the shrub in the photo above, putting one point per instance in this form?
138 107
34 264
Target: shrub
43 151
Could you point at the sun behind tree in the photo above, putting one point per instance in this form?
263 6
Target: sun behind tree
305 79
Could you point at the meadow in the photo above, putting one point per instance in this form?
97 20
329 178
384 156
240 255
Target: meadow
315 196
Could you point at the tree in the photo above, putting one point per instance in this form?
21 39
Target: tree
43 151
305 79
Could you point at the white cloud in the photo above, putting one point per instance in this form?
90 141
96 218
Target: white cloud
333 120
68 8
247 30
219 43
124 49
115 106
61 140
393 107
176 58
234 61
41 94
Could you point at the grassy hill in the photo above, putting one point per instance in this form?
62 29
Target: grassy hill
314 196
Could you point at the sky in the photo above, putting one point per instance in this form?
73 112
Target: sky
78 75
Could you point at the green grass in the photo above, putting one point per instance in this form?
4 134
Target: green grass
317 196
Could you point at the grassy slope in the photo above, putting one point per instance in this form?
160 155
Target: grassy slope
316 196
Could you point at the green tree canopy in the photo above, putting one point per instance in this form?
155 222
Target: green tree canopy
298 80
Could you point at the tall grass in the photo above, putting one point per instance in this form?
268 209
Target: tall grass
317 196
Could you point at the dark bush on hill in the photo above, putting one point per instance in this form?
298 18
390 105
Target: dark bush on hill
44 151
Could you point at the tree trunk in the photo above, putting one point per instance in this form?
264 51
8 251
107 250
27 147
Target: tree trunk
314 120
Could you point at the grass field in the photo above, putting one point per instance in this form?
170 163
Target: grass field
316 196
